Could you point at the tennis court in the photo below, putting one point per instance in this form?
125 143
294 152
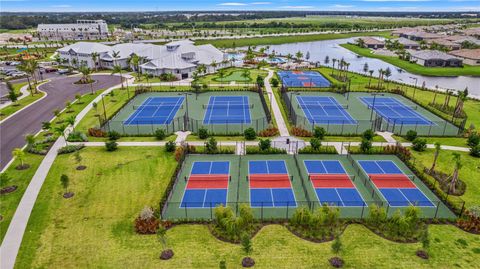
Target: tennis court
156 110
270 184
395 111
227 110
333 186
324 109
207 185
396 187
303 79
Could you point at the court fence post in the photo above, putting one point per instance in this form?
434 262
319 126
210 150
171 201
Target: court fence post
211 215
186 206
261 212
436 210
363 209
286 217
388 207
444 127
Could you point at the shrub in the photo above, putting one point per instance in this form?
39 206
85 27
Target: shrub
411 135
473 139
319 132
269 132
315 143
113 135
419 144
264 144
250 134
231 227
146 222
211 145
170 146
365 145
77 137
111 145
376 216
160 134
179 153
298 131
337 245
320 150
202 133
368 134
70 148
475 151
95 132
256 150
275 82
321 224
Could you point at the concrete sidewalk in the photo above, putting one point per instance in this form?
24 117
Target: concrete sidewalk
276 112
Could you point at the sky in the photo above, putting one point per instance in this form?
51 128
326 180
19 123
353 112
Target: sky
168 5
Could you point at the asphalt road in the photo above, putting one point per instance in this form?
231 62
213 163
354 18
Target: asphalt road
29 120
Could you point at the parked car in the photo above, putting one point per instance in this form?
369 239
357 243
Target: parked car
62 71
50 69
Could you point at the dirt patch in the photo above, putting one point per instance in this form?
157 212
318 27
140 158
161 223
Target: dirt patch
248 262
81 167
336 262
22 167
8 189
422 254
68 195
166 254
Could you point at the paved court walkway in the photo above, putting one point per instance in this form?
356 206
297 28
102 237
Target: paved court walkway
277 113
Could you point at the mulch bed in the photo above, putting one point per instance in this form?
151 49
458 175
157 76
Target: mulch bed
248 262
68 195
22 167
166 254
336 262
422 254
8 189
81 167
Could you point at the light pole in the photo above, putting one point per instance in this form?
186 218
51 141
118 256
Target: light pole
415 87
185 123
373 104
291 101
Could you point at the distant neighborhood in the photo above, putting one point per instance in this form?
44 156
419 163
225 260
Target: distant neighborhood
433 46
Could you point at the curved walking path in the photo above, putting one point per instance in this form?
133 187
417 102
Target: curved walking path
14 235
29 119
24 91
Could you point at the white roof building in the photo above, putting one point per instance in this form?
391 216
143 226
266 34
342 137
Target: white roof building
82 30
180 57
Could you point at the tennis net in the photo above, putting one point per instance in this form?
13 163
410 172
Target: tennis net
316 106
229 106
393 107
160 106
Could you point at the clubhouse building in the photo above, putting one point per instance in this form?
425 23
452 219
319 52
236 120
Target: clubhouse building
180 58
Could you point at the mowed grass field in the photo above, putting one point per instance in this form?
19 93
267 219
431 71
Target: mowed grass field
94 229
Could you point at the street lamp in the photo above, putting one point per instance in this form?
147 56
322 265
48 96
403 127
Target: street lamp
291 101
373 104
415 87
185 123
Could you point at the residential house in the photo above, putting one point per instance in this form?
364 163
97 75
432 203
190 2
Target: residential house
434 58
469 56
450 45
373 43
407 43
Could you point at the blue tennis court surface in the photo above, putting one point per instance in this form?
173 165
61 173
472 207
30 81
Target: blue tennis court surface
207 185
156 110
395 111
303 79
324 110
397 188
270 184
332 184
227 109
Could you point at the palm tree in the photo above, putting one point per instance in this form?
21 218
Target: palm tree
457 166
30 139
371 75
60 130
462 97
134 60
221 74
387 74
299 56
380 77
289 57
326 61
435 94
334 61
94 59
214 65
246 75
438 147
117 69
71 122
19 154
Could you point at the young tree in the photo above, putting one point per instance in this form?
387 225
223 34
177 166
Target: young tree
247 244
65 181
365 68
435 156
337 245
30 139
60 130
19 154
457 162
12 95
162 236
221 74
71 122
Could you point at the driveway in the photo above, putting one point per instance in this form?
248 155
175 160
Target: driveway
29 120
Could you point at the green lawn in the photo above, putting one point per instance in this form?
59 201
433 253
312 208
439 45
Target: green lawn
274 40
233 74
94 228
466 70
12 108
20 178
469 173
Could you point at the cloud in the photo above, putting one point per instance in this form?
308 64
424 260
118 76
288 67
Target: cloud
236 4
342 6
297 7
261 3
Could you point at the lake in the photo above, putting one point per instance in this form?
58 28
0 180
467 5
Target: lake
319 49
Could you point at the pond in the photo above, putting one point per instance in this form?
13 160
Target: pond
319 49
